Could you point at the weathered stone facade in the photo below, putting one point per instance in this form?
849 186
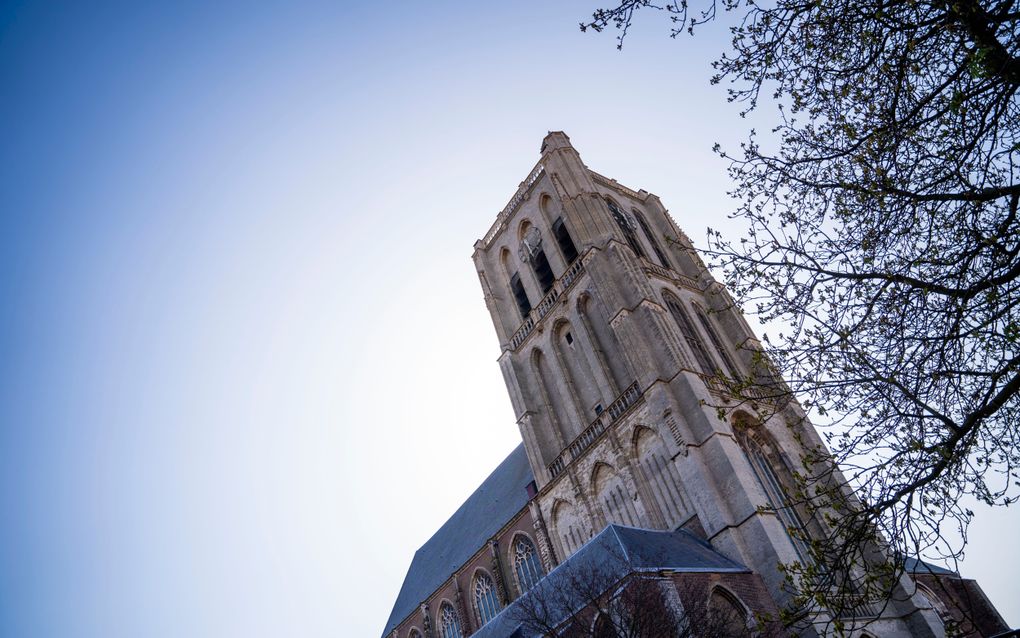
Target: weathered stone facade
612 331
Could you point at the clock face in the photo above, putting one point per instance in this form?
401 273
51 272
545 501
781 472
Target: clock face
530 245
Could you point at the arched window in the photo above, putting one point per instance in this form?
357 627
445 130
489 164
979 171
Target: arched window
527 567
777 493
520 296
486 602
651 238
935 603
626 227
531 251
690 334
414 633
727 616
563 239
449 623
542 270
604 628
731 368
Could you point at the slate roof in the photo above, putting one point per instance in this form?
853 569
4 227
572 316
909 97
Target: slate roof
502 495
613 554
917 566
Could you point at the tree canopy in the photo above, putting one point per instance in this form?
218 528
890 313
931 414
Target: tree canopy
882 229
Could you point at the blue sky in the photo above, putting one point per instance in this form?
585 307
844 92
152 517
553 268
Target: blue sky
245 366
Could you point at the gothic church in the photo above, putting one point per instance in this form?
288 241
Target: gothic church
612 340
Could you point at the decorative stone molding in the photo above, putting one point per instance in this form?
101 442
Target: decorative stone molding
674 429
497 572
545 546
466 624
426 621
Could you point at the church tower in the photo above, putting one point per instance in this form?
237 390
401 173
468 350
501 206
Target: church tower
614 337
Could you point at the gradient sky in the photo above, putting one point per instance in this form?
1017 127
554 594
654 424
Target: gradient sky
245 366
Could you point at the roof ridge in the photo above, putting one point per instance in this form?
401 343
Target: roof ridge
623 546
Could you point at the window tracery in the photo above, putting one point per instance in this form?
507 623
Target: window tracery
486 602
650 236
766 472
449 623
526 564
713 336
627 227
690 334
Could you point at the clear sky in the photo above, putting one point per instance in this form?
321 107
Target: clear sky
245 366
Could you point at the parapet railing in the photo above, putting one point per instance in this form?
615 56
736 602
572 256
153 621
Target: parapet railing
515 201
721 389
670 275
602 422
612 183
542 309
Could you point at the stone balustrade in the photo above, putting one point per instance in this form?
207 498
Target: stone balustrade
515 201
602 422
539 312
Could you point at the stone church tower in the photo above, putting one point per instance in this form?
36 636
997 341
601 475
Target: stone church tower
614 339
613 335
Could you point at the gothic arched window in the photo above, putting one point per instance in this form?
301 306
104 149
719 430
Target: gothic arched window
527 567
563 239
449 623
520 296
627 227
414 633
713 336
486 602
690 334
531 251
765 470
726 613
935 603
651 238
604 628
543 271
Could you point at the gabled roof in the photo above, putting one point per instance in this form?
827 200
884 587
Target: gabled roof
609 557
502 495
917 566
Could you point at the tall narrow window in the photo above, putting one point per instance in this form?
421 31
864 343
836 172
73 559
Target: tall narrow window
626 227
776 493
520 295
449 623
542 270
563 239
683 321
526 563
727 360
486 603
651 238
